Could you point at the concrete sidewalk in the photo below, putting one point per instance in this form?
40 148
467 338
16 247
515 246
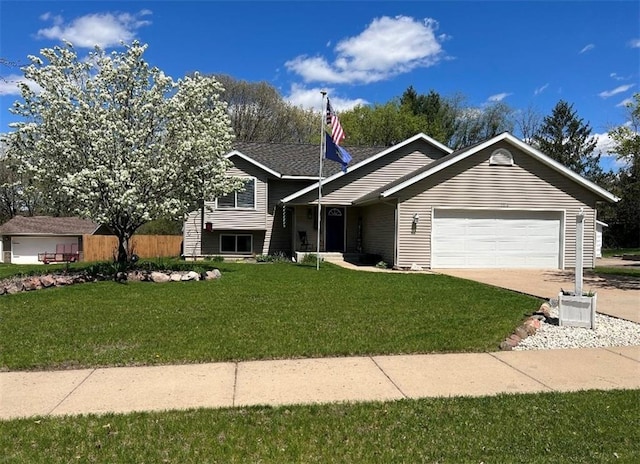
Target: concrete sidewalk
303 381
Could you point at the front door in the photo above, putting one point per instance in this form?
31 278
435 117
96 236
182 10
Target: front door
335 229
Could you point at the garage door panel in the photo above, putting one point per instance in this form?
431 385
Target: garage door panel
486 239
24 250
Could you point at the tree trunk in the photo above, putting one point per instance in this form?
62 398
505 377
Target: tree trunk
123 249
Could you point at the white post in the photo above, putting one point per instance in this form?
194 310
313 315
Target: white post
322 153
579 251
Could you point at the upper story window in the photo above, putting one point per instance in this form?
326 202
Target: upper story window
245 199
501 157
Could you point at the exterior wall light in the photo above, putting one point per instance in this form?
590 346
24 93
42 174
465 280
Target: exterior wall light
416 219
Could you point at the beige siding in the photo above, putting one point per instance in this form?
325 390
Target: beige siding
353 215
378 230
376 174
280 237
264 222
473 183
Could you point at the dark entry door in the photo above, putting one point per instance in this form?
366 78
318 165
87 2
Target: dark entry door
335 229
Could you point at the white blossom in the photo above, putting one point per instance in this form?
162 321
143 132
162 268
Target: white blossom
118 140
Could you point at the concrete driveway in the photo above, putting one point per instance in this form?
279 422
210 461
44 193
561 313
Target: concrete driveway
617 296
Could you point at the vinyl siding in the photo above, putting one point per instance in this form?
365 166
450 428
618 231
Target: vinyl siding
264 222
278 237
473 183
378 230
343 190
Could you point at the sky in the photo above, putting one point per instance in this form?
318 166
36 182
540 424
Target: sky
527 54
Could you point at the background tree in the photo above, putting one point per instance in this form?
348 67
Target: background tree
380 125
475 125
120 141
626 147
259 114
18 194
439 114
527 123
566 138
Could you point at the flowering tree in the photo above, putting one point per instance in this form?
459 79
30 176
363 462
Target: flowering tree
118 141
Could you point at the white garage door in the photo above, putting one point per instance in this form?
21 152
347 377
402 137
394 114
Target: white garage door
495 239
24 250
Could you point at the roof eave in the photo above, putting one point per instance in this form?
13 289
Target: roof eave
602 193
253 161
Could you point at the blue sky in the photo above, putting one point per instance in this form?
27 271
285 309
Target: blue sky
524 53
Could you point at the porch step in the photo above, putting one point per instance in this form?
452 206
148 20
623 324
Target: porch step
331 257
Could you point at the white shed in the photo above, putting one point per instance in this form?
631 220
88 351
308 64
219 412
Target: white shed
22 238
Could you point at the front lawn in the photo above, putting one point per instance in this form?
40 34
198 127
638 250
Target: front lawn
255 312
580 427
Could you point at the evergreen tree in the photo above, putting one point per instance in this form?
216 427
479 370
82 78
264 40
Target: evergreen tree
566 138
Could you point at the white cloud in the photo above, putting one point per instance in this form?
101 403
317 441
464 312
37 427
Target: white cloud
311 98
617 77
9 84
387 47
608 158
586 48
626 102
102 29
539 90
634 43
498 97
617 90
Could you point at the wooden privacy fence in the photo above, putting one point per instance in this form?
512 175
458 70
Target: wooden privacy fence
105 247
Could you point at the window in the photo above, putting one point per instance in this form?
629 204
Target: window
501 157
245 199
236 243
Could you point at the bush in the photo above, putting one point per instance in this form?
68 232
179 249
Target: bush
310 258
382 265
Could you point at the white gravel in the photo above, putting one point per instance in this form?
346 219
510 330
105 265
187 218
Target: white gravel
609 331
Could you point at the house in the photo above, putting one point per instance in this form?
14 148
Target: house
497 204
23 238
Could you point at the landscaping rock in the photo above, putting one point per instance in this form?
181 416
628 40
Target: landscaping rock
136 276
159 277
191 275
47 281
32 283
63 280
416 267
212 275
14 287
521 332
505 346
545 309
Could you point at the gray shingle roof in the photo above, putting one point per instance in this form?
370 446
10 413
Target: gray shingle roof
296 159
47 225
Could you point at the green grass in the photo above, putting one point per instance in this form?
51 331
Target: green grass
10 270
580 427
618 271
255 312
610 252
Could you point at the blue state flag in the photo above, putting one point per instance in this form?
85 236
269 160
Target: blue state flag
336 152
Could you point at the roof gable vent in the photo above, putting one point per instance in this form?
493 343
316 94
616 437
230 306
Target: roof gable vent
501 157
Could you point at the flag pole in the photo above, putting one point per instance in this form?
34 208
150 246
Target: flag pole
322 151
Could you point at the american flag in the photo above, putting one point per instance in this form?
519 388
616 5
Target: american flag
337 133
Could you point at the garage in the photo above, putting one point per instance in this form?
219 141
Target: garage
24 250
496 239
